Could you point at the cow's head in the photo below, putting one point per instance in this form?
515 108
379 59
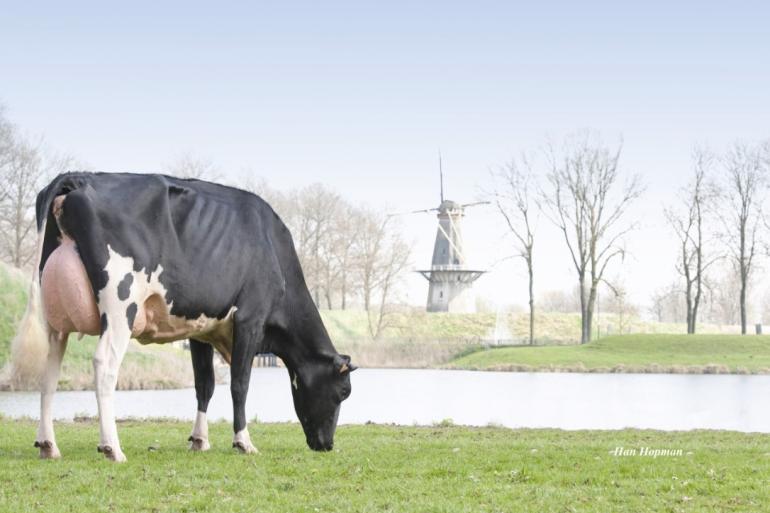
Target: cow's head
318 388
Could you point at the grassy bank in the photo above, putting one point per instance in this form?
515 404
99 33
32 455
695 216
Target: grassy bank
633 353
415 338
551 327
377 468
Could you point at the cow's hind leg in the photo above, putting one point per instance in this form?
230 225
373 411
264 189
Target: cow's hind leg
246 339
107 359
203 368
46 440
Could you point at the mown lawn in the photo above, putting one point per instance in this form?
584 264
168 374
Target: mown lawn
633 353
383 468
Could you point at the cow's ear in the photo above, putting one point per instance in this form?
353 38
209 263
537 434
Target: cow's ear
342 364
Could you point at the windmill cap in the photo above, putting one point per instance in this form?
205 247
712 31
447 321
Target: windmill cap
450 205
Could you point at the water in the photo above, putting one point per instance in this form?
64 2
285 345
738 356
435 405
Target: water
535 400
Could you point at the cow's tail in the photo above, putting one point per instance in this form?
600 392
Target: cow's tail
29 349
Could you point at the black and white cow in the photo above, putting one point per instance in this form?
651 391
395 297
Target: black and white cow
159 259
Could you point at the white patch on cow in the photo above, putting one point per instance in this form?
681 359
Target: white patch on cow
153 323
46 440
110 350
294 382
200 433
242 442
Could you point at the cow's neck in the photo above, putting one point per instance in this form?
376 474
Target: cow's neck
305 340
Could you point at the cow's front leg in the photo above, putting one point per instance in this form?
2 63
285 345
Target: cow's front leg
244 348
107 359
202 355
46 440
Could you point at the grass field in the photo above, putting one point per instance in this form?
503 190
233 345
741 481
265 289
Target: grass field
389 469
633 353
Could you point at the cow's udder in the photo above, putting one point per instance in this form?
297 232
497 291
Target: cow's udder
68 298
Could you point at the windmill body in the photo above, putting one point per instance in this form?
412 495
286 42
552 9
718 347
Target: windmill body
450 281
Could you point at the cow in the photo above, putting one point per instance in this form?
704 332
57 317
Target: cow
160 259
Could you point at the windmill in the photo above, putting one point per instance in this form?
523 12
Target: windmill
451 282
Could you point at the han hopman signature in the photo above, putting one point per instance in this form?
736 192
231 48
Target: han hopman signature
646 452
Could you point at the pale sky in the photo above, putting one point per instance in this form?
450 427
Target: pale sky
361 95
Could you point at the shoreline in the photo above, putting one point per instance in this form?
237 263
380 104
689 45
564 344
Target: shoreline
83 382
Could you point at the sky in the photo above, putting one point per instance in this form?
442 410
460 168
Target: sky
361 96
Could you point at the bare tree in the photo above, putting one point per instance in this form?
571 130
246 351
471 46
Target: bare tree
381 258
370 246
667 304
392 266
687 221
587 204
188 165
285 204
316 209
343 250
745 177
618 303
7 140
512 196
560 301
721 296
23 166
346 252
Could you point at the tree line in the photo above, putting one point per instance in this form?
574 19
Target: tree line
579 186
351 255
355 256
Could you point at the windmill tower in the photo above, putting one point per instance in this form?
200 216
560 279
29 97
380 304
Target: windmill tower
451 282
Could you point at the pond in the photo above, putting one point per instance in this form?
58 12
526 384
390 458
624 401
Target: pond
411 396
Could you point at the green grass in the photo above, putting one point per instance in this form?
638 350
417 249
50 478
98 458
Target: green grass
633 353
414 324
388 469
13 299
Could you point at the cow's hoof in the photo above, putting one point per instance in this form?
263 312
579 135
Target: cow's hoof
242 442
48 450
111 454
245 447
199 444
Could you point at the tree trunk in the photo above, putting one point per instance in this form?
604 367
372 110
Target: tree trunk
585 334
367 296
687 293
744 274
531 303
695 305
743 305
590 312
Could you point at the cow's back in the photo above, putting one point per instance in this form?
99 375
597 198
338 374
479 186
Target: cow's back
203 242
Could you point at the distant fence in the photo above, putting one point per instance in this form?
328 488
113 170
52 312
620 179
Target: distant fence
260 360
266 360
